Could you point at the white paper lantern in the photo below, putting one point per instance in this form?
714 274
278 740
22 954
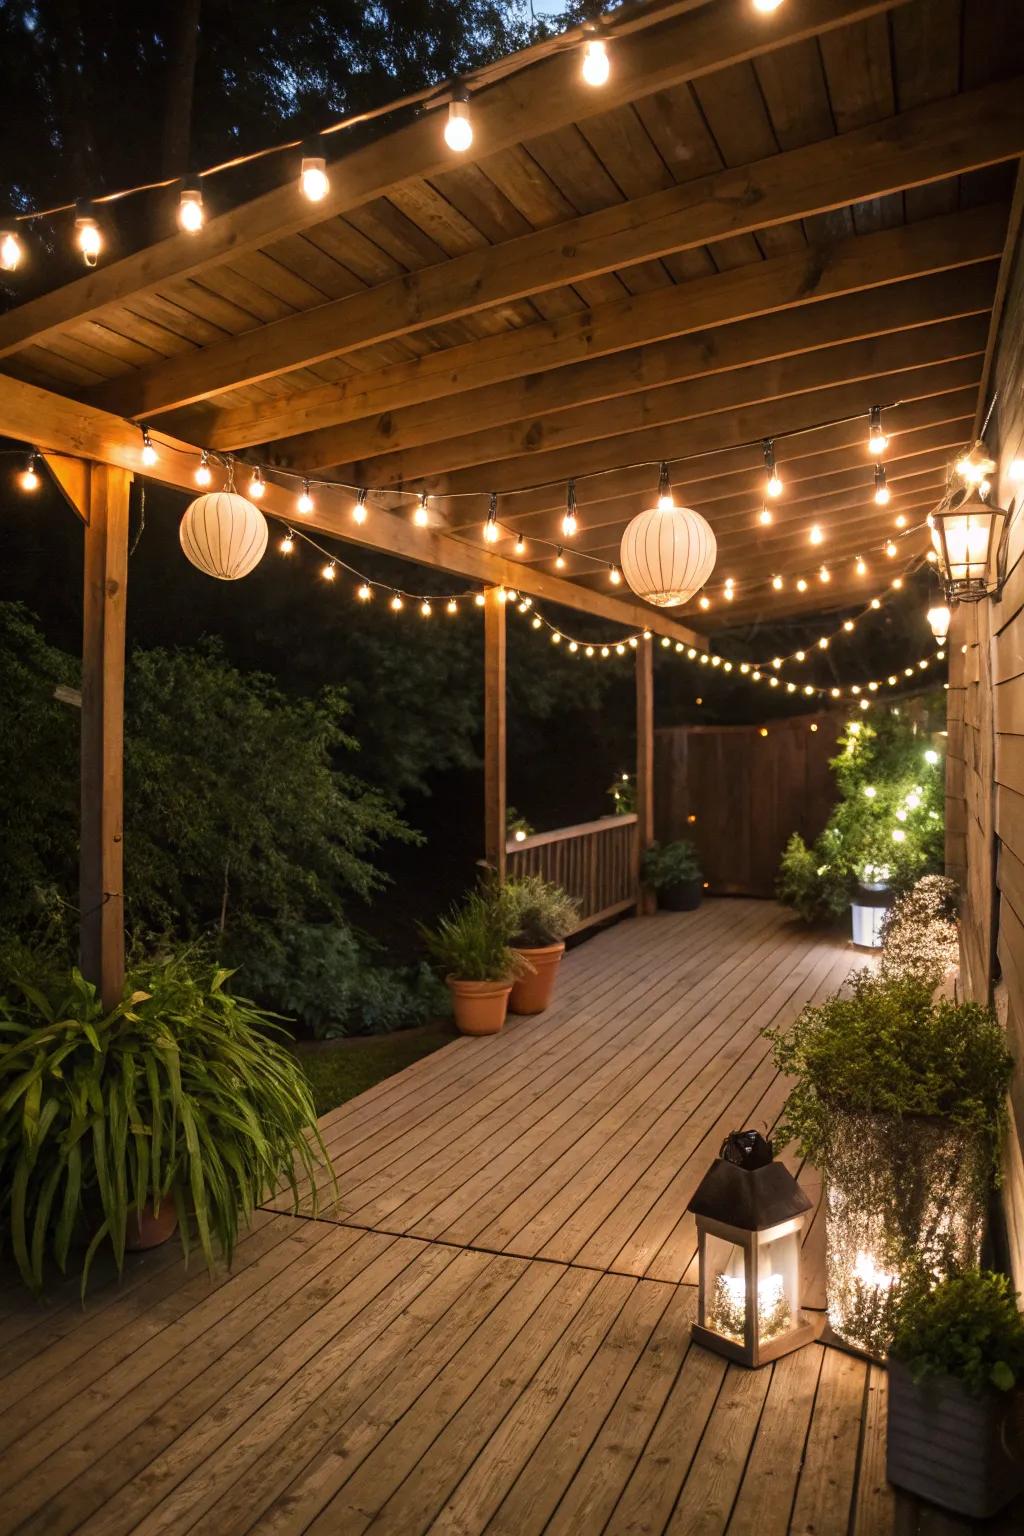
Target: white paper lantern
224 535
667 554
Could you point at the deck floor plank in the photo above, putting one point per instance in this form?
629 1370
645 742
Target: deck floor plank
487 1327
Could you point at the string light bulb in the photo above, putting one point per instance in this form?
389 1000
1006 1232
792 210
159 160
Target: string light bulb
287 544
877 440
975 464
191 214
816 535
88 236
891 550
778 583
305 503
801 585
479 599
596 66
451 606
359 508
614 575
10 251
29 477
825 574
939 619
425 608
491 530
329 572
421 516
766 7
520 545
203 475
569 521
257 485
364 592
773 484
765 516
149 454
861 567
882 492
901 520
396 603
666 501
313 178
458 130
559 560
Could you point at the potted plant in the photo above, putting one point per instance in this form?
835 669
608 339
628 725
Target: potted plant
672 870
919 934
542 915
470 946
899 1102
177 1107
956 1394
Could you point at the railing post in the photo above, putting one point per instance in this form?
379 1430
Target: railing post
495 818
644 766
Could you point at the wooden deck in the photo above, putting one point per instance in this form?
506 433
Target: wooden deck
487 1330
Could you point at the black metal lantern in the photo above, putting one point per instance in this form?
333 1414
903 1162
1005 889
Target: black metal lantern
969 536
750 1217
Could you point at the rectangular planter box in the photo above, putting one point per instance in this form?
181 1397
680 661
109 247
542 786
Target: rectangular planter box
963 1453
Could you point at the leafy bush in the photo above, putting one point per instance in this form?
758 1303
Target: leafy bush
623 794
540 913
668 864
968 1327
320 975
516 824
887 1049
472 941
919 933
888 824
181 1093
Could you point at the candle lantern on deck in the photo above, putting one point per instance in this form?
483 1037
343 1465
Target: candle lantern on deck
750 1216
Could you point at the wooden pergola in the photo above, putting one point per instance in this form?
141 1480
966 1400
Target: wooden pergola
761 226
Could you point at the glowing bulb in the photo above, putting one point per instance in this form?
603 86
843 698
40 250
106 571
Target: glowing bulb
520 545
458 130
777 583
364 592
816 536
614 575
313 178
870 791
901 520
705 603
595 68
765 516
801 585
88 237
287 544
359 509
824 574
897 583
479 599
800 655
329 573
877 440
451 606
938 621
860 567
491 530
257 485
190 210
29 477
589 650
882 492
766 6
823 643
425 609
305 502
559 561
729 594
773 484
421 517
569 524
891 550
776 662
931 757
10 251
556 639
149 454
849 626
875 603
203 475
396 603
898 834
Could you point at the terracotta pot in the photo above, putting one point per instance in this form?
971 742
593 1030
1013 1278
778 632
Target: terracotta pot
532 993
147 1229
479 1006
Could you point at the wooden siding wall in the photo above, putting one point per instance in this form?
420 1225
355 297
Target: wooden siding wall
985 829
748 793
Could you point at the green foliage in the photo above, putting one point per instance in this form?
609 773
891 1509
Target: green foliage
623 793
515 822
886 1049
668 864
320 975
968 1327
181 1092
338 1072
471 941
887 826
919 933
540 912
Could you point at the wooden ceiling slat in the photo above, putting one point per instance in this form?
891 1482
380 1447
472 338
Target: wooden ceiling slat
926 51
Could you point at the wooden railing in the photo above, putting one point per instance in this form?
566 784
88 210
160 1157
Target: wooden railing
596 862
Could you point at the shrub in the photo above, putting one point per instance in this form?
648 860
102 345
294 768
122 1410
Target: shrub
919 933
471 942
181 1093
968 1327
540 913
668 864
799 884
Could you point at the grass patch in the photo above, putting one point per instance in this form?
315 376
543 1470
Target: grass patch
337 1073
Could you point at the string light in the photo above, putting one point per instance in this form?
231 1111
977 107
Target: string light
877 440
773 484
305 503
421 516
10 251
329 573
287 544
451 606
396 603
881 489
861 567
596 67
765 516
191 214
359 508
520 547
257 485
569 522
825 574
891 550
559 560
901 520
816 536
88 237
614 575
766 7
778 583
975 464
458 130
203 475
29 477
666 501
491 531
364 592
149 453
801 585
313 178
425 608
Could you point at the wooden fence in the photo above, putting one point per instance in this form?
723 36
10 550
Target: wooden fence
596 862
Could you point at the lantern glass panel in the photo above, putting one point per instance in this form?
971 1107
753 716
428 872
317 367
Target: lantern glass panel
968 539
778 1280
725 1288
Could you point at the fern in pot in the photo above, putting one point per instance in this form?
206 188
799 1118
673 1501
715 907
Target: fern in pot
541 917
471 947
956 1394
182 1106
673 871
899 1102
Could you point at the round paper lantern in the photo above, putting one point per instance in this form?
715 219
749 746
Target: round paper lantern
667 554
224 535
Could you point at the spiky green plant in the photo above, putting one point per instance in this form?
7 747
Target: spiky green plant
471 941
182 1092
540 912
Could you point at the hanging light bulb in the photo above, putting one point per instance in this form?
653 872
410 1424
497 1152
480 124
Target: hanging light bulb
396 603
313 178
891 550
705 603
29 477
773 484
149 454
765 516
191 214
861 567
203 475
364 592
849 626
596 67
816 536
257 485
881 489
359 508
901 520
877 440
559 560
569 523
10 251
778 583
614 575
329 573
421 517
451 606
287 544
666 501
766 6
425 608
520 545
801 585
458 130
87 233
938 621
491 529
824 574
305 503
480 599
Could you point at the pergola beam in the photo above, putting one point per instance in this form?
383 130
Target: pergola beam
54 424
540 94
926 144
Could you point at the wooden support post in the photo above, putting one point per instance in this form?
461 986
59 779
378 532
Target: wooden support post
644 766
495 800
101 882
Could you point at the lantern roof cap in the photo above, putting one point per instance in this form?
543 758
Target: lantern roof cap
743 1188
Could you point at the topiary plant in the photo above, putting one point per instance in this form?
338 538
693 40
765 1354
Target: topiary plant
968 1327
668 864
919 932
540 913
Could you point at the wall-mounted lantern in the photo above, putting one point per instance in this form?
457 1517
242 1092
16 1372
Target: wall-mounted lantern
969 535
750 1217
